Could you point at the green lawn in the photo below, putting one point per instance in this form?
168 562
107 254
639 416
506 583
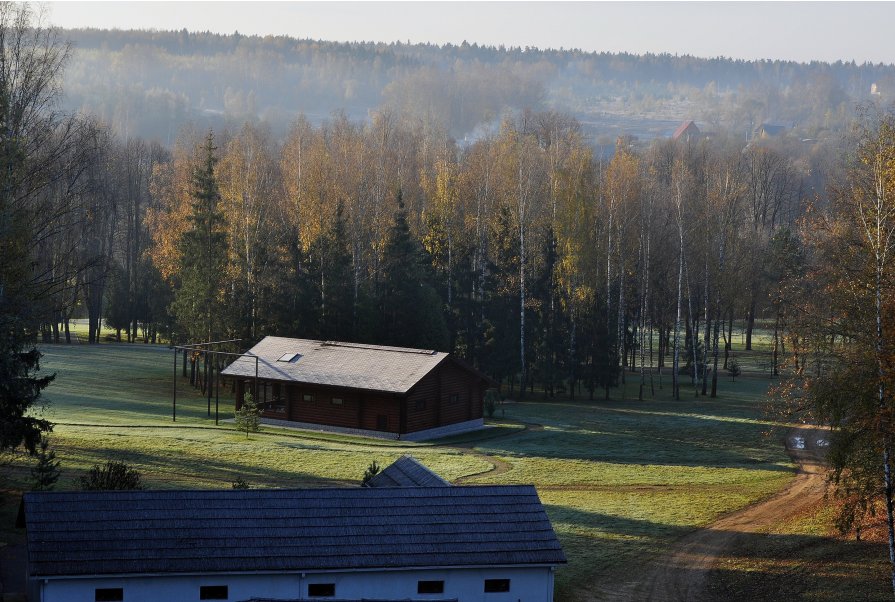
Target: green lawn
621 479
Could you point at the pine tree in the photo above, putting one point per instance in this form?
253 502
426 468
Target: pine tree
46 472
198 302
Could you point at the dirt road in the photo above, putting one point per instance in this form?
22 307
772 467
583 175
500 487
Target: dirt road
682 576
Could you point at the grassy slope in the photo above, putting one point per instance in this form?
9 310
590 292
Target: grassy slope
621 480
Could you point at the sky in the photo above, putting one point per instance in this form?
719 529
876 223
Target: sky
800 31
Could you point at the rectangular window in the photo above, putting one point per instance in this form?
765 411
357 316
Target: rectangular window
430 587
337 401
382 422
497 585
308 397
420 404
455 397
321 590
213 592
109 594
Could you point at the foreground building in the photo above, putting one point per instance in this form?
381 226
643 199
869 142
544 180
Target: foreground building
395 392
488 543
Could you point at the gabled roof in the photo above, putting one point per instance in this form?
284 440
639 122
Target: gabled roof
406 471
238 531
353 365
683 128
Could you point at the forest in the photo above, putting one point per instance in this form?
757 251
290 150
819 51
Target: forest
150 84
558 270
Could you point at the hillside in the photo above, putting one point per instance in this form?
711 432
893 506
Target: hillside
151 83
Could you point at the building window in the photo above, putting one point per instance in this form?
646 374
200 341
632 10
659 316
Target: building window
308 397
420 404
430 587
337 401
321 590
497 585
213 592
382 422
109 594
455 397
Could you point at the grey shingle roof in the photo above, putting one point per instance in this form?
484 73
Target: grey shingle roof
406 471
120 532
340 600
374 367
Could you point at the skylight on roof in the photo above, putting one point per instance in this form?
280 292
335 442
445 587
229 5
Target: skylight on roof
289 357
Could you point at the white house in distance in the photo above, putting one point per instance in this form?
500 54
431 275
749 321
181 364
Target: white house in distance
432 543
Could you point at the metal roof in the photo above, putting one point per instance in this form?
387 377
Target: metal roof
333 363
281 530
406 471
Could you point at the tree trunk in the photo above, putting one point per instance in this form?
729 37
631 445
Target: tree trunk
675 367
750 323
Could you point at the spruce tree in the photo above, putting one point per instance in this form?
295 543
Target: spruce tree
411 310
197 303
331 275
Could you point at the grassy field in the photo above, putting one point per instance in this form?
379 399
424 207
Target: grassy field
621 479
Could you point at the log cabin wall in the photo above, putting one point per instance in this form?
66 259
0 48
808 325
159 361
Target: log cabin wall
345 408
447 395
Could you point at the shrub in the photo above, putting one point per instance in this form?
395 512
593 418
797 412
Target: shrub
114 476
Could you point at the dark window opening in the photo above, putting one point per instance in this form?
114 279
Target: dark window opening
213 592
455 397
109 594
337 401
307 397
382 422
430 587
420 404
497 585
322 590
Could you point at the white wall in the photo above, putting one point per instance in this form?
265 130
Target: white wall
466 585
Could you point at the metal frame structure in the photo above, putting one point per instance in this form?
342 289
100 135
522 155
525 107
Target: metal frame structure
205 348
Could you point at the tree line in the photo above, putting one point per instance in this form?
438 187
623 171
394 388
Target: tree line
523 253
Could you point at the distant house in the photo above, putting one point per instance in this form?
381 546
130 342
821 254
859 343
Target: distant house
771 129
364 389
481 543
687 131
406 471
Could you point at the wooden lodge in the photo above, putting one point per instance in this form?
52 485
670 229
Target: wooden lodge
370 389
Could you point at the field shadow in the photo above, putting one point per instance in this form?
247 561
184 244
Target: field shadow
663 440
167 475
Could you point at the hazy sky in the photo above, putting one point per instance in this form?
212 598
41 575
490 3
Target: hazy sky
829 31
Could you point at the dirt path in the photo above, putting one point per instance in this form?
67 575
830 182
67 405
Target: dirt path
682 576
498 466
